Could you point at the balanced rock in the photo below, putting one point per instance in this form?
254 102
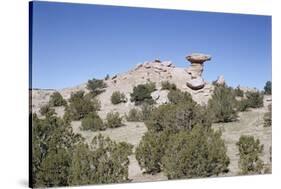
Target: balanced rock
195 70
197 60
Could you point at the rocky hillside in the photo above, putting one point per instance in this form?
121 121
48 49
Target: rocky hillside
151 71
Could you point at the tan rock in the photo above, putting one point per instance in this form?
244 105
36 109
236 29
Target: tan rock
196 84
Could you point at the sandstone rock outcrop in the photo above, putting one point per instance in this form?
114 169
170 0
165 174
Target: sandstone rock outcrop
195 70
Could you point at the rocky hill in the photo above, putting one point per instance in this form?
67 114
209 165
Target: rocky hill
186 79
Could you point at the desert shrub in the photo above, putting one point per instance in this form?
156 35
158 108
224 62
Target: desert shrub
46 110
96 86
118 97
113 120
222 105
197 153
146 110
142 93
80 106
92 122
267 118
178 97
267 88
255 99
105 162
134 115
243 105
238 92
166 85
51 153
150 151
61 158
57 100
250 150
176 117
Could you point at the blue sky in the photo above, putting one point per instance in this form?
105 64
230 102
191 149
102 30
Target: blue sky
76 42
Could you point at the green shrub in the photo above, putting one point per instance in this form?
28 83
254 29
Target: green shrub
61 158
267 118
178 97
113 120
105 162
267 88
238 92
146 110
222 105
46 110
250 151
142 94
243 105
57 100
176 117
80 105
52 144
150 151
166 85
92 122
134 115
118 97
196 153
255 99
96 86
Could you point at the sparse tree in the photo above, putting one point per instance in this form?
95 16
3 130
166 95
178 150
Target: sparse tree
267 88
80 106
150 151
250 150
118 97
57 100
113 120
222 105
255 99
142 94
96 86
197 153
92 122
178 97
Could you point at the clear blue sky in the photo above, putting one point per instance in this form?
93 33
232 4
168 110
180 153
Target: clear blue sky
74 42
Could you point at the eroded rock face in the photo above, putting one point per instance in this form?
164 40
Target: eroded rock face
195 70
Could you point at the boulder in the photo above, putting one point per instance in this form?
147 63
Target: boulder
196 84
160 96
198 58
